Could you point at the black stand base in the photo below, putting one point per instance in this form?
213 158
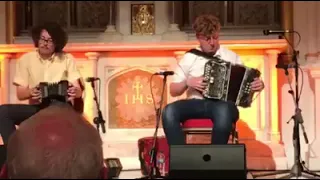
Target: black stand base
148 177
99 121
154 172
296 171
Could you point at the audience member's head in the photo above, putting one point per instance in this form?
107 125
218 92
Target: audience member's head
55 143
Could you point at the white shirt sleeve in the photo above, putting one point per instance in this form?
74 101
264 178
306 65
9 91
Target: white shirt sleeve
183 68
238 60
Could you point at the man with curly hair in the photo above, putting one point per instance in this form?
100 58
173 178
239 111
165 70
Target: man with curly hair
189 78
47 63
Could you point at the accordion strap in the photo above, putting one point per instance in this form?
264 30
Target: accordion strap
202 54
199 53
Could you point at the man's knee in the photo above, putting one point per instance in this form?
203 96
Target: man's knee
168 114
228 110
226 114
4 110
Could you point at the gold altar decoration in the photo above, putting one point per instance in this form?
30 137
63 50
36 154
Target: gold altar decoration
142 19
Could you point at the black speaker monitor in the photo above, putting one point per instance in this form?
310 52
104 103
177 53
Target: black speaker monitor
207 161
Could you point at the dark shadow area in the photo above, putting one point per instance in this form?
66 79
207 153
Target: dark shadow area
3 155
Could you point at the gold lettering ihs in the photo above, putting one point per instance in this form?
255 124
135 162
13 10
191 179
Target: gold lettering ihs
137 96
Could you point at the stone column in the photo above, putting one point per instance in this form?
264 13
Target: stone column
306 18
90 107
5 78
4 81
287 21
314 143
173 33
93 57
186 17
271 130
173 65
311 28
10 21
111 34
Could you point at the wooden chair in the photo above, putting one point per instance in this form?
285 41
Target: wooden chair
204 126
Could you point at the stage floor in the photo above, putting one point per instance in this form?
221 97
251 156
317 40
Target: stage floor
133 174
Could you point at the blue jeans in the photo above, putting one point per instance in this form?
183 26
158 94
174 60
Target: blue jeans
223 114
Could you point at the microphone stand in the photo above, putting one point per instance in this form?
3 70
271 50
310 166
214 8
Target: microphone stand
98 120
154 171
297 169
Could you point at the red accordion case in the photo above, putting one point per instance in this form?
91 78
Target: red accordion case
145 147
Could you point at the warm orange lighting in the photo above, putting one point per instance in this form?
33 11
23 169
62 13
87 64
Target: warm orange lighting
252 52
252 114
4 65
158 46
2 56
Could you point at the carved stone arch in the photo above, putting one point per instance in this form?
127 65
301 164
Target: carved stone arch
123 70
128 93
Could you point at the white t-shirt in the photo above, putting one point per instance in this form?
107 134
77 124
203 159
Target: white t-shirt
193 65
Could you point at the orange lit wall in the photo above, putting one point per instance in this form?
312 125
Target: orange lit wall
126 103
262 117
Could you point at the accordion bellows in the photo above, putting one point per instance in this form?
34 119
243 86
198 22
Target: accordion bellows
54 91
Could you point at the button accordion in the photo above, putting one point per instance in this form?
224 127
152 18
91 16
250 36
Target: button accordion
52 92
228 82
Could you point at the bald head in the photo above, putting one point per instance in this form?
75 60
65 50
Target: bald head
57 142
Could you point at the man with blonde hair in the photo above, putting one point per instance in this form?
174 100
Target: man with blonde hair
189 78
55 143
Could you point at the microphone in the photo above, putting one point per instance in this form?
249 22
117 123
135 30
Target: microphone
91 79
286 66
165 73
268 31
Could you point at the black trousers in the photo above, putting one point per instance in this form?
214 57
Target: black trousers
14 114
11 115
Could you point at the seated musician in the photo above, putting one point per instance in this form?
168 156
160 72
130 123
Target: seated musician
47 63
189 77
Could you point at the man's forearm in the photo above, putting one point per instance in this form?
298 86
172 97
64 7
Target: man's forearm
78 84
23 94
177 89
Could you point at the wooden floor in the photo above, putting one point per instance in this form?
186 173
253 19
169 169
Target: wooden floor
134 174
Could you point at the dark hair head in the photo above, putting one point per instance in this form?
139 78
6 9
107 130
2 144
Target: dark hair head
57 33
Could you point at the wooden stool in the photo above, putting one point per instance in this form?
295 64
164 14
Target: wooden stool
204 126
